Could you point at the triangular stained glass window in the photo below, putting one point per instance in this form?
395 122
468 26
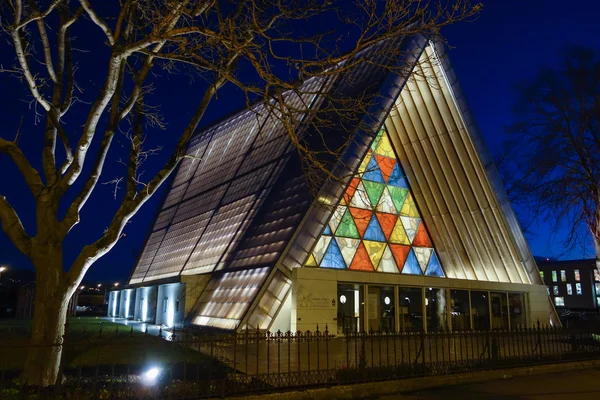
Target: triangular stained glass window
373 231
423 254
333 257
397 178
411 266
387 223
360 198
348 248
351 189
387 263
347 228
320 248
373 173
434 268
409 208
386 204
421 237
377 225
363 165
398 196
386 165
336 217
361 261
374 190
410 226
400 254
375 251
361 219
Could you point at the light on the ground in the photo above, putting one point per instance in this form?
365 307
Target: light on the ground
151 375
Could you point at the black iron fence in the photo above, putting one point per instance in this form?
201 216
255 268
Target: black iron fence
130 364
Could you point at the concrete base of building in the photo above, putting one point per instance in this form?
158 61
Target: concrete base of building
374 390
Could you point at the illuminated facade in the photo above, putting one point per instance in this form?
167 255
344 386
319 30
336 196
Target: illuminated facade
415 233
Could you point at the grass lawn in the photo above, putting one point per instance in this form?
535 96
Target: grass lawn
85 346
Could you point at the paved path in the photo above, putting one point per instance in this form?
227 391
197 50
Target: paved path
572 385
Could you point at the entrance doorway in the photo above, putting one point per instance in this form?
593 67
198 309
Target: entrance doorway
350 316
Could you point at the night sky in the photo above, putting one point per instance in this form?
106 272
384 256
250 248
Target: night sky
506 44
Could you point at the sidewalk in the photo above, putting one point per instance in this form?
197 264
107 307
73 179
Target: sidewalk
570 385
573 380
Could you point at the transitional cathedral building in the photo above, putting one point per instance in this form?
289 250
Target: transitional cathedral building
414 231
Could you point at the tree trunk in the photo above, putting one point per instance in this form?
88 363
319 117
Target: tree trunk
50 313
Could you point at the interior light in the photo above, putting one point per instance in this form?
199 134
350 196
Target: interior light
343 299
387 300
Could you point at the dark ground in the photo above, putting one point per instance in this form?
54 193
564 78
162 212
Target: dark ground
571 385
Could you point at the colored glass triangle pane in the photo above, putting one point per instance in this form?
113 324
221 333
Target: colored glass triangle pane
410 226
320 247
336 217
397 177
398 195
434 268
327 230
374 231
374 190
421 237
361 219
351 189
360 198
364 163
384 147
387 223
375 251
347 228
400 253
409 208
311 262
386 204
373 173
423 254
387 263
386 165
361 261
376 140
411 266
347 247
399 234
333 257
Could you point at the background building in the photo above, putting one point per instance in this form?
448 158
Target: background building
573 284
419 234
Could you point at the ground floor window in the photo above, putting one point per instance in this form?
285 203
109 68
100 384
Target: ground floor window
363 307
411 309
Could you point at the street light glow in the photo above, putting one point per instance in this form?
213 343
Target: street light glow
116 284
151 375
2 268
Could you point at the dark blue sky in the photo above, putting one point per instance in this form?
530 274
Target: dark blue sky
506 44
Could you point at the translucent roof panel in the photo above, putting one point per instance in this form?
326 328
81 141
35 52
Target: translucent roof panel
273 227
227 297
269 302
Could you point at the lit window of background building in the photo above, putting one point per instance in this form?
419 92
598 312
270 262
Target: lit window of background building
569 289
563 275
577 276
559 301
554 277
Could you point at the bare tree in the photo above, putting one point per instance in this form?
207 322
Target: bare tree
214 40
553 162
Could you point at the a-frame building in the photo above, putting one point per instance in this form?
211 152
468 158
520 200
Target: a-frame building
415 232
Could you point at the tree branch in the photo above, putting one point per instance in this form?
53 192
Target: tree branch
12 226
